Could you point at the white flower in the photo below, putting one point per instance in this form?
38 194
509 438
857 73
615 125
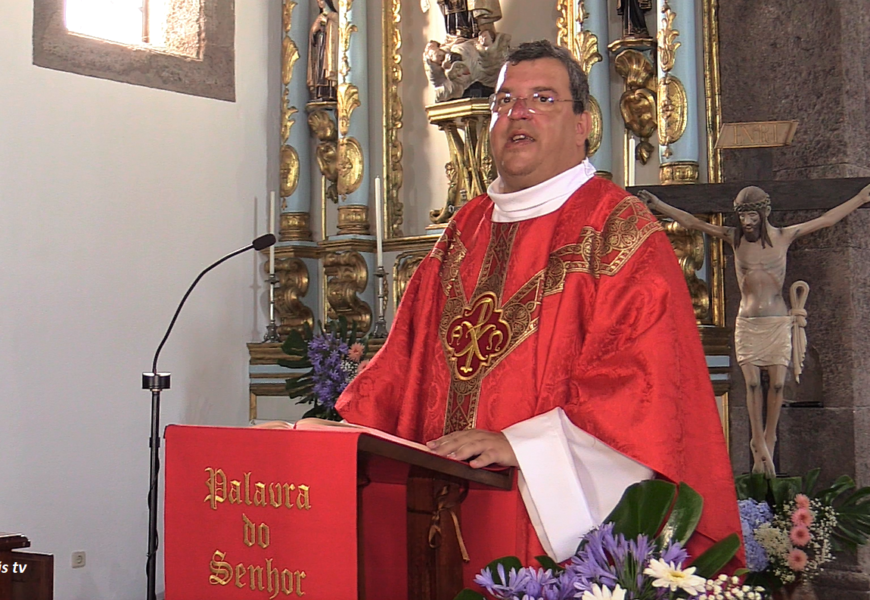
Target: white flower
669 576
604 593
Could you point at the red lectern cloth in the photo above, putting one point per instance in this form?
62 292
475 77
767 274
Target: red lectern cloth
225 538
260 514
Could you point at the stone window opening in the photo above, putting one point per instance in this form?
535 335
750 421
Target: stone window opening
185 46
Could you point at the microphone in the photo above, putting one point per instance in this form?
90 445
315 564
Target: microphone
157 382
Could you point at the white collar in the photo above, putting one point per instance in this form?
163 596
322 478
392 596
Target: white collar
538 200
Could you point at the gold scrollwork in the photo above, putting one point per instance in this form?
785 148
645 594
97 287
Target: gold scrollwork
678 172
293 280
289 160
295 226
564 22
348 101
471 168
586 50
393 115
350 165
346 276
287 15
638 102
597 127
289 170
289 56
345 30
287 117
404 268
689 247
673 112
353 219
667 38
323 127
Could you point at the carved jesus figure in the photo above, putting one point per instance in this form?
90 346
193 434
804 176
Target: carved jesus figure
763 332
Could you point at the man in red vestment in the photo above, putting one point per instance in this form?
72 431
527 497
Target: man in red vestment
550 329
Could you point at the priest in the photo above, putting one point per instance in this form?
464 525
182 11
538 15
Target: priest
550 329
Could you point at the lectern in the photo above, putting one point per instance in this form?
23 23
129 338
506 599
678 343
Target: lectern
337 514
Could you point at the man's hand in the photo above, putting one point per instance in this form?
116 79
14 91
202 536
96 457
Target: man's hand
489 448
865 194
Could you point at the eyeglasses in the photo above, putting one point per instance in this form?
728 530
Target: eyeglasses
538 102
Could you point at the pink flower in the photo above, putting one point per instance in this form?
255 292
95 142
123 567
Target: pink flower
802 516
802 501
799 535
356 352
363 365
797 560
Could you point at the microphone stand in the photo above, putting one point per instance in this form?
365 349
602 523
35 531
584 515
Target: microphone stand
157 382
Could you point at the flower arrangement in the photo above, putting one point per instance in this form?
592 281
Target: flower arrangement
636 554
790 532
333 356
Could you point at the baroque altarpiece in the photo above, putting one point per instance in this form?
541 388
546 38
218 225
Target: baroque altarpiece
367 116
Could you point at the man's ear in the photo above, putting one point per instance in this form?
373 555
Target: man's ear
583 128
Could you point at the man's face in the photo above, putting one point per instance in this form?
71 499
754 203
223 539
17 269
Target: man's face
529 147
751 223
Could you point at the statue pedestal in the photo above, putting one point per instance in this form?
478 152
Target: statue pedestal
471 169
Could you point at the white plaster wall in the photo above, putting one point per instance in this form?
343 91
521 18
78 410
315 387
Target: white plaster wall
112 198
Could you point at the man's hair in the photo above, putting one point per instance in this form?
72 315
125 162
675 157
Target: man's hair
545 49
753 199
579 83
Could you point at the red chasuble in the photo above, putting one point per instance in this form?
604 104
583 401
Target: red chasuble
584 309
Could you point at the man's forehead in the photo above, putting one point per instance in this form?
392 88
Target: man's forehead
541 74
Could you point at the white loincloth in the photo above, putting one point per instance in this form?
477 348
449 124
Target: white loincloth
763 341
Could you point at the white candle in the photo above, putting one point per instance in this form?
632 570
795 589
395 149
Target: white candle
379 225
272 231
632 145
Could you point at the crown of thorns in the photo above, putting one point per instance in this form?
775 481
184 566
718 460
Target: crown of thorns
758 206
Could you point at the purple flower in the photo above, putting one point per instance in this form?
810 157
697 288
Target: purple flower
328 354
753 514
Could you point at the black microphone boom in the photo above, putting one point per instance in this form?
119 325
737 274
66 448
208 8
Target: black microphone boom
157 382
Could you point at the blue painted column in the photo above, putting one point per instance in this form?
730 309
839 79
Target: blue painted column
354 185
593 19
295 158
679 124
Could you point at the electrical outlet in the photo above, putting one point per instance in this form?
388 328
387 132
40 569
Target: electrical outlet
78 559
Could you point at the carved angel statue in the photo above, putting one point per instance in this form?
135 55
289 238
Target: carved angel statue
465 68
467 63
768 335
323 54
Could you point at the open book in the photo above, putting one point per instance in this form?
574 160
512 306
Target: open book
312 423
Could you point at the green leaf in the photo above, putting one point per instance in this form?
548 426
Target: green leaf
684 517
468 594
548 563
753 486
716 556
643 508
809 482
785 489
509 562
342 328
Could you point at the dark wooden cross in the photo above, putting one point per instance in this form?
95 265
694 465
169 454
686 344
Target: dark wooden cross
805 194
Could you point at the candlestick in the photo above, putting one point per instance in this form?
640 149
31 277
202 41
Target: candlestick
272 231
379 231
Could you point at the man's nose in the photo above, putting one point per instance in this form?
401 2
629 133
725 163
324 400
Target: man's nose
516 112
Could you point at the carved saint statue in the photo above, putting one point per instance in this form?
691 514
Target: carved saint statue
323 54
467 63
633 21
767 334
468 18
